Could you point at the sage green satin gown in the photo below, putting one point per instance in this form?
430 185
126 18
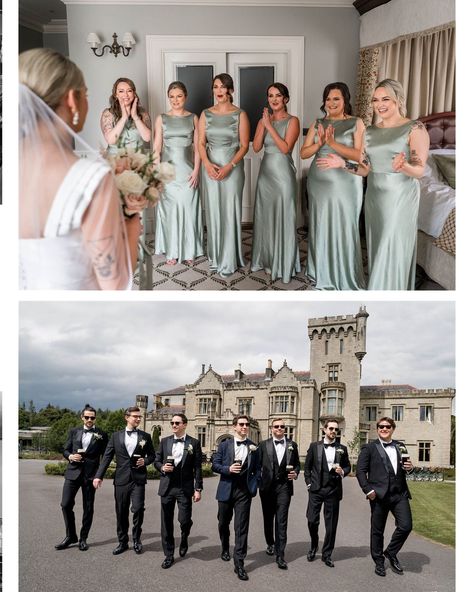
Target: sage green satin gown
275 246
223 199
334 204
178 213
130 136
391 211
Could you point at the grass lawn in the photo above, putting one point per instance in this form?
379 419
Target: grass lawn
433 510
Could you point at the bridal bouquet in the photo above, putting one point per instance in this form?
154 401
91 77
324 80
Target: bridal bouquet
139 181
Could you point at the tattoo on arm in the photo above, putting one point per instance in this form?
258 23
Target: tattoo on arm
414 159
351 166
417 125
365 159
102 252
106 121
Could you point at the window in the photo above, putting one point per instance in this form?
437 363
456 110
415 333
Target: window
282 404
290 432
333 372
332 403
341 346
245 406
371 413
204 406
184 401
326 347
424 451
201 435
426 413
397 412
166 402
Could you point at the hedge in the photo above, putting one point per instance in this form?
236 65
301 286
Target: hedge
60 468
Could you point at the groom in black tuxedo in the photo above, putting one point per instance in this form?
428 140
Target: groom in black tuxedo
280 465
83 450
179 460
381 475
133 451
327 463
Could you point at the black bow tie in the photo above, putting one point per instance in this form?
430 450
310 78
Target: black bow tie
239 442
330 445
385 444
88 431
130 432
279 441
178 440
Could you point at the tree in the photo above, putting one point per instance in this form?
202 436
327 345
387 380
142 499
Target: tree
354 447
155 436
113 422
58 433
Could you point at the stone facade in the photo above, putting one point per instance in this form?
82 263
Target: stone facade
305 399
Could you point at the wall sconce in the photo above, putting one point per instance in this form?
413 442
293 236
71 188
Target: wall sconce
128 42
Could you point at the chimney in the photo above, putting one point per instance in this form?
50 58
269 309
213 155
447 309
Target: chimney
269 371
238 374
203 369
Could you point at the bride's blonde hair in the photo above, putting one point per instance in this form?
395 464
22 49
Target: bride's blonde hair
49 74
395 90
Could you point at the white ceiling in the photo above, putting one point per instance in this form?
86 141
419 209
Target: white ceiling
38 13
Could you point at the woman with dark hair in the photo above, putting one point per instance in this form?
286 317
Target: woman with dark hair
397 149
275 247
224 132
125 122
334 199
178 223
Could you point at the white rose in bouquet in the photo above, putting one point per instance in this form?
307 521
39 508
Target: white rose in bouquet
130 182
166 172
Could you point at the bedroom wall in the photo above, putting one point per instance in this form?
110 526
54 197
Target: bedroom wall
401 17
331 44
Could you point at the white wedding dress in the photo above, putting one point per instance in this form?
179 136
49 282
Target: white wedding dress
59 260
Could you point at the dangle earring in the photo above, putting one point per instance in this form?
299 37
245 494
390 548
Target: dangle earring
75 118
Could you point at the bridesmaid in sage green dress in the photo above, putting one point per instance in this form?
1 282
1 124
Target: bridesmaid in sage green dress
334 198
223 142
275 247
125 122
397 149
178 221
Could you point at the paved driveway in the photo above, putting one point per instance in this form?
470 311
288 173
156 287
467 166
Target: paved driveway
429 567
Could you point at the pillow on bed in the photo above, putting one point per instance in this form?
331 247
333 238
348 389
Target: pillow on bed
447 166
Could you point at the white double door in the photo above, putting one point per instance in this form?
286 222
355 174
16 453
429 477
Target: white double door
196 60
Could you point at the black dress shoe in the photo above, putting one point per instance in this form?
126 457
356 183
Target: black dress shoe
311 554
241 573
65 543
395 564
168 562
329 562
122 547
380 570
183 547
270 550
281 563
83 546
225 555
138 547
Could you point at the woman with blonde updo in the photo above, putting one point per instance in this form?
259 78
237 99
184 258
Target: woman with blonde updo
72 233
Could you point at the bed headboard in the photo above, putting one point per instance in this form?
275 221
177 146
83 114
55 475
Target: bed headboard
442 129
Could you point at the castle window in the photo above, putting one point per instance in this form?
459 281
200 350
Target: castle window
371 413
333 372
326 347
341 346
166 402
397 412
204 406
424 451
426 413
282 404
201 436
245 406
290 432
332 402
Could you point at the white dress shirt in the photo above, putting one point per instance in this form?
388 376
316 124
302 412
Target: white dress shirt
241 451
280 449
392 454
178 450
131 442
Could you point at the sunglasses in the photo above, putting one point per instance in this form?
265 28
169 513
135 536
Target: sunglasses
332 429
176 422
243 424
136 416
278 427
384 427
89 417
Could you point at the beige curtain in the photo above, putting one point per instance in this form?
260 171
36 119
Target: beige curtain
424 63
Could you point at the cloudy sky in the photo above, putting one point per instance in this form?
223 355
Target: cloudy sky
106 353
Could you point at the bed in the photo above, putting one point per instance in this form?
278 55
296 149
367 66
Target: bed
437 217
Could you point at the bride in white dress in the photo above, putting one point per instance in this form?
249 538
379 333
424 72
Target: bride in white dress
72 231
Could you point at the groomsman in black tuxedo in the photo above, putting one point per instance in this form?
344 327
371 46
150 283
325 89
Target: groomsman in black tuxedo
236 460
381 474
83 449
280 465
179 460
327 463
133 451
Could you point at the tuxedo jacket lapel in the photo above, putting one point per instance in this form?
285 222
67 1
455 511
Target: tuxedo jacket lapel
121 439
319 455
383 455
78 438
185 450
270 452
288 452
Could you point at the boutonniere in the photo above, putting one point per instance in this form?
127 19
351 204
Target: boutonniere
402 448
252 448
290 448
142 443
190 449
97 436
339 450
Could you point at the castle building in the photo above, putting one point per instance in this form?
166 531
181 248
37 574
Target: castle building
331 388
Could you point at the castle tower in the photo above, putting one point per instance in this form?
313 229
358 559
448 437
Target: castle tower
142 403
337 348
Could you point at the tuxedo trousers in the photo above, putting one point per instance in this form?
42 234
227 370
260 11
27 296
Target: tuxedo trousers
275 506
239 506
130 496
174 496
329 498
399 506
70 489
